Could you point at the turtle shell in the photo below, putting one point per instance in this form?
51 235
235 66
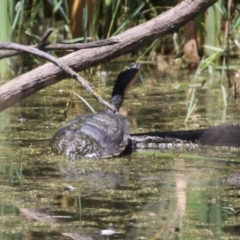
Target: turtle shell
100 135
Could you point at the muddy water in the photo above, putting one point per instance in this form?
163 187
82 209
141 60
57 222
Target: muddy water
167 194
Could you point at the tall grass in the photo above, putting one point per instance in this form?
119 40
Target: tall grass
213 22
5 33
101 19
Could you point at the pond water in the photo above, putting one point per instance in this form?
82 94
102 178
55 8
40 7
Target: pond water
149 194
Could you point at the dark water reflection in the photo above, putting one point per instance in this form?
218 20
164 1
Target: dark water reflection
170 194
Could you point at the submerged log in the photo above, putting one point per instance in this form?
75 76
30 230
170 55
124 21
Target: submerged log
214 136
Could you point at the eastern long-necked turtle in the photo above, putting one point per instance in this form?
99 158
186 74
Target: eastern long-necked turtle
99 135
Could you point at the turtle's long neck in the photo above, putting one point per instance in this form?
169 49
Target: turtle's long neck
122 83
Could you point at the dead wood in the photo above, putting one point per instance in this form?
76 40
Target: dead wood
43 45
47 74
61 65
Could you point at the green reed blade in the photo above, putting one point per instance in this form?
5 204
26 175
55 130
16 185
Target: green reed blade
129 18
113 18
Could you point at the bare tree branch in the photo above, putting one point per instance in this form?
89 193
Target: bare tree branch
47 74
65 68
60 46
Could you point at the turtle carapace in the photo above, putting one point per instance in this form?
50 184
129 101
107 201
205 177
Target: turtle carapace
100 135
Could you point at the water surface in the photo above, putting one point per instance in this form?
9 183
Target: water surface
149 194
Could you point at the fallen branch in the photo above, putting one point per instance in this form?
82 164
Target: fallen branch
65 68
47 74
42 45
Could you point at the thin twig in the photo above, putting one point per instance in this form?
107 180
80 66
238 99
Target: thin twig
50 58
84 100
61 46
78 46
